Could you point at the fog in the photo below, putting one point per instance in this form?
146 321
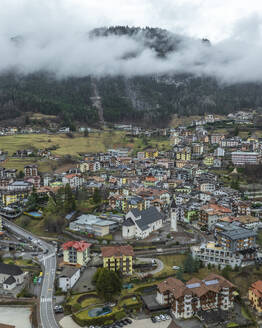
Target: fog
53 38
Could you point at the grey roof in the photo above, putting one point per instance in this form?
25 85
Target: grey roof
148 216
68 271
128 223
10 280
238 233
234 232
10 269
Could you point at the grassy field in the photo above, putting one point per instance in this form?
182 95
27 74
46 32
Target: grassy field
44 165
95 142
35 226
19 262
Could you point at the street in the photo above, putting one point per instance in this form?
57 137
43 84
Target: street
48 263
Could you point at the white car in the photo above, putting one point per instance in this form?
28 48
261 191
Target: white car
175 267
157 318
167 317
162 317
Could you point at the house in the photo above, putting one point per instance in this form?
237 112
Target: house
31 170
118 258
141 224
73 179
211 213
76 253
11 276
68 278
186 299
255 295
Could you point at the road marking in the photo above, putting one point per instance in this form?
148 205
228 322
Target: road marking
46 299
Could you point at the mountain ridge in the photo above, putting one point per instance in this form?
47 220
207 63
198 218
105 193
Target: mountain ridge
151 99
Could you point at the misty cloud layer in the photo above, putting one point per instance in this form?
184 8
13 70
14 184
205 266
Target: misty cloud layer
62 46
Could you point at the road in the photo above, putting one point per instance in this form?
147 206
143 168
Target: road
48 262
159 265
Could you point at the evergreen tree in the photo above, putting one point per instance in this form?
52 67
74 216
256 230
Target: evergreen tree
108 284
97 196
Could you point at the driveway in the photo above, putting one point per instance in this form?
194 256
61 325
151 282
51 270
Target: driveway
159 263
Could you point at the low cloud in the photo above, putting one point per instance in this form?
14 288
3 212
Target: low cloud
62 46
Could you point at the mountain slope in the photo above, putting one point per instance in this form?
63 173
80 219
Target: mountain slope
148 99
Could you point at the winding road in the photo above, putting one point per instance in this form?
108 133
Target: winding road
48 262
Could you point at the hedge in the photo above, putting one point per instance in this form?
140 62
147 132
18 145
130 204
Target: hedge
117 315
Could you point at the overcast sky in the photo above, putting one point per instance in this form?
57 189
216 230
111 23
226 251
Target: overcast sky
215 19
55 30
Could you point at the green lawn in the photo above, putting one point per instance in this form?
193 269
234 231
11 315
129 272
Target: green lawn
132 300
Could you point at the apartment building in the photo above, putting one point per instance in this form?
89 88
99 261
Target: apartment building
31 170
76 253
186 299
118 258
255 295
211 213
214 254
234 237
241 158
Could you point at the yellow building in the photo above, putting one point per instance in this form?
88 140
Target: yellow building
151 153
208 160
76 253
118 258
83 167
255 295
12 197
183 156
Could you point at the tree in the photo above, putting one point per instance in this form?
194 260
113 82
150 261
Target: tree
189 264
179 275
33 200
21 174
97 196
69 199
108 284
226 271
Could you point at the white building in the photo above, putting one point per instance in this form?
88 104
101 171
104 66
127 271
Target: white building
68 278
140 224
74 180
242 158
186 299
210 253
11 276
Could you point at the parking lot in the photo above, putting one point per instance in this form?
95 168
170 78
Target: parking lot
67 322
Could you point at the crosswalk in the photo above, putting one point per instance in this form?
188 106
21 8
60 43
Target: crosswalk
46 299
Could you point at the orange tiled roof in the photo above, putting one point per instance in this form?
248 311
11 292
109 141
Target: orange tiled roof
109 251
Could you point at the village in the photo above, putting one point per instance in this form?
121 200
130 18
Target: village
168 235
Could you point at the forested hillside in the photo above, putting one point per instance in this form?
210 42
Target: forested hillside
142 99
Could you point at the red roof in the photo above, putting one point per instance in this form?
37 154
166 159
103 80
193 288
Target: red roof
80 246
109 251
257 286
71 176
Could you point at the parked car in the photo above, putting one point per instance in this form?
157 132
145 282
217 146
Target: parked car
58 309
129 321
167 317
123 322
175 267
162 317
153 319
157 318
